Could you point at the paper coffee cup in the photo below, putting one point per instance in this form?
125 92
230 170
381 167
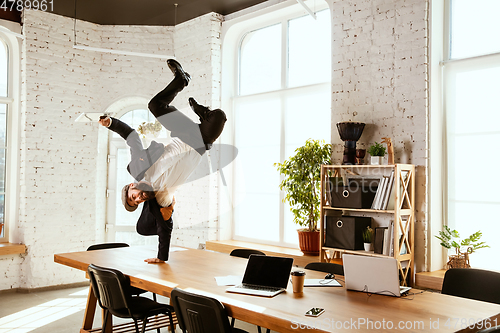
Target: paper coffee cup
298 278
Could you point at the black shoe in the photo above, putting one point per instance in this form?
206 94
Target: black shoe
199 109
176 68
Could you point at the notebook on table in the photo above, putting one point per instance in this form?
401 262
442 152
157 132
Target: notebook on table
383 277
264 276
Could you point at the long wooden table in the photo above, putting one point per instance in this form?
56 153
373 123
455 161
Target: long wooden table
346 311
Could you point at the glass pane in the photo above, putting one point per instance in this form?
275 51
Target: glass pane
3 125
476 101
256 179
2 169
124 217
260 61
307 116
2 211
474 27
473 131
136 118
4 68
309 50
132 238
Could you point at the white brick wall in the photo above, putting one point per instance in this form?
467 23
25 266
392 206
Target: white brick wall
379 77
63 170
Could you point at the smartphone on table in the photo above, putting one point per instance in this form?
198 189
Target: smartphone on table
314 312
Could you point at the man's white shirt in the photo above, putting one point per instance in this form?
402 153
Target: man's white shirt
171 170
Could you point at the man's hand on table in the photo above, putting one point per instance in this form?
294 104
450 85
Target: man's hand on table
154 261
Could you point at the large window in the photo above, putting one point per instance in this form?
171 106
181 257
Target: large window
283 99
472 100
120 225
5 100
9 115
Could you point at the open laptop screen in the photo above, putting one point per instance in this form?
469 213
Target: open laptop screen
268 271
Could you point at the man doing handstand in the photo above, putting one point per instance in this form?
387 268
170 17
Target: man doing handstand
159 170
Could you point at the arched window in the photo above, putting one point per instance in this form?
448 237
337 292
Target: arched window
283 98
4 103
120 224
9 124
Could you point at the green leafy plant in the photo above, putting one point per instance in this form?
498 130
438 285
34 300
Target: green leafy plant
376 149
301 182
451 239
368 235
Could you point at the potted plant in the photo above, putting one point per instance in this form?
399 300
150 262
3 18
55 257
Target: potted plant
301 183
377 152
451 239
368 238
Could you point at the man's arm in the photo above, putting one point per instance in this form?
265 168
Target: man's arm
123 130
164 232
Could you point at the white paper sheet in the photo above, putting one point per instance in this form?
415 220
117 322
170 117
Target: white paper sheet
230 280
321 283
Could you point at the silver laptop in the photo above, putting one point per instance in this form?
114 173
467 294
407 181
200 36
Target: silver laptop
374 275
264 276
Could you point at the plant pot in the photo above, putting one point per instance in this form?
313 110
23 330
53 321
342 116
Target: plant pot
458 261
368 246
309 242
376 160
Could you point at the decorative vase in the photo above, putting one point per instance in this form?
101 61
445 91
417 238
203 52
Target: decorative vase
1 227
350 132
368 246
309 242
376 160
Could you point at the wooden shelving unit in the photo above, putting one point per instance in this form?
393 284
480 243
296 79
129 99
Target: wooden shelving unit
403 213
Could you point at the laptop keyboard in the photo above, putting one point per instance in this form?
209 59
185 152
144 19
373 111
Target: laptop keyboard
257 287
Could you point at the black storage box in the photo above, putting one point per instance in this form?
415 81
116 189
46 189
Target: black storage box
358 194
346 232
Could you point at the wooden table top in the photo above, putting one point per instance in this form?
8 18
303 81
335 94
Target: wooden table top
346 311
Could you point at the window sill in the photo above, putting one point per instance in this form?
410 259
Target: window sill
430 280
9 248
299 259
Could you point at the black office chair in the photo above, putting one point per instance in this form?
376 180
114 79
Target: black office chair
111 288
326 267
245 253
200 314
133 290
478 284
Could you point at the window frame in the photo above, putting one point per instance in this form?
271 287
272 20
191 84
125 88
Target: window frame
9 34
282 19
442 66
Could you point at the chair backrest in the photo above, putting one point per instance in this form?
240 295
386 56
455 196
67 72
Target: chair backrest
326 267
106 246
245 253
199 314
110 287
478 284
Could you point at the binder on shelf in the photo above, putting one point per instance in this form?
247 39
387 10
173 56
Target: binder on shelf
378 194
388 191
388 239
378 242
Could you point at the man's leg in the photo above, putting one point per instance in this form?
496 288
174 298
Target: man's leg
212 121
170 117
